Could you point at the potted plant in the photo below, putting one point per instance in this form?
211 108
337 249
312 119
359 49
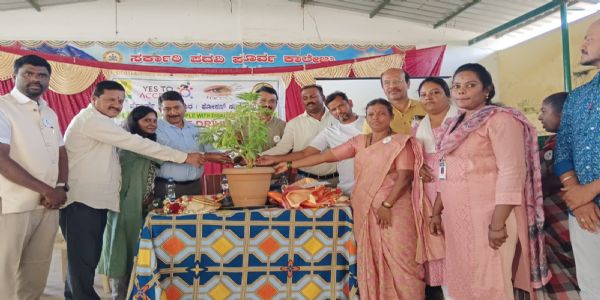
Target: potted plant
243 132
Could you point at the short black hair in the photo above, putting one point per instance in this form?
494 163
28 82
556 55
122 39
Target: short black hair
131 123
406 75
334 95
170 96
107 85
314 86
33 60
439 81
556 101
383 102
269 90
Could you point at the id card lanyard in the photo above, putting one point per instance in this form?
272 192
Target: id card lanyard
442 169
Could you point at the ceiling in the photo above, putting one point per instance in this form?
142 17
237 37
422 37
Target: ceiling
34 4
484 18
500 23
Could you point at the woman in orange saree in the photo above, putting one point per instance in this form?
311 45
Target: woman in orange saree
390 252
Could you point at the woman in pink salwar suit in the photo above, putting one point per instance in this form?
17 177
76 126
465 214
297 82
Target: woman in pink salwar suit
434 94
382 203
491 194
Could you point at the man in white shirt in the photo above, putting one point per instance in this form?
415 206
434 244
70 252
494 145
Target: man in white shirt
301 130
33 176
91 141
349 125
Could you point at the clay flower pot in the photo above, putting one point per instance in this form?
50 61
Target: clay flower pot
249 186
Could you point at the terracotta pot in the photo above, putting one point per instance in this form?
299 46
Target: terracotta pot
249 186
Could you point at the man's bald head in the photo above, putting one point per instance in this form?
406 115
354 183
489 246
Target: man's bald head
590 48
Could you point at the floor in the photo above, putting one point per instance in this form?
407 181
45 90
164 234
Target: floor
55 285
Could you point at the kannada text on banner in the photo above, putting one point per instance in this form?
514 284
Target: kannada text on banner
208 55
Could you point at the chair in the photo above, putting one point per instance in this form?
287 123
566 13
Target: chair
211 184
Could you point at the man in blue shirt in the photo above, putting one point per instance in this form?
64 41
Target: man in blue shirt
577 162
174 131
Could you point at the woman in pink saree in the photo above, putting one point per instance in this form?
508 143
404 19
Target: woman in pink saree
491 194
385 225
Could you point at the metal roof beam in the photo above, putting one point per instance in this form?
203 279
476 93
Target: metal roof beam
304 2
456 13
516 21
379 8
34 5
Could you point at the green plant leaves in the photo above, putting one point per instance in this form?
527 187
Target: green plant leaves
241 131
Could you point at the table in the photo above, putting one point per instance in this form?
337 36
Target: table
269 253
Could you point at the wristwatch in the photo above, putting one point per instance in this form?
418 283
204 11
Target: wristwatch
64 185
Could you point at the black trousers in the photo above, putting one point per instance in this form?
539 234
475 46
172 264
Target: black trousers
83 229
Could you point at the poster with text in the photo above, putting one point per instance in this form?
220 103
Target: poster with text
207 99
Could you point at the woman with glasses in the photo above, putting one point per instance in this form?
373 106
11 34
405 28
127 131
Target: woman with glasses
491 195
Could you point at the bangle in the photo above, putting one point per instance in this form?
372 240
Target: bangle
289 165
497 230
386 205
566 178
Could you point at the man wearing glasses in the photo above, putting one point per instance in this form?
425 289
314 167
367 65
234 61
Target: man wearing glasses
395 83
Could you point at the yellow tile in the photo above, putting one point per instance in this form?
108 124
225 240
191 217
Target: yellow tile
222 245
219 292
311 291
143 258
313 245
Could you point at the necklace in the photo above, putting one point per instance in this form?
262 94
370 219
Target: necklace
370 138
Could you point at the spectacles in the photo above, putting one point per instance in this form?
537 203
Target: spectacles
392 82
468 86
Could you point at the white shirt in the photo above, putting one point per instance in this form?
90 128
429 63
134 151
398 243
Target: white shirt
31 129
334 136
5 130
298 134
91 141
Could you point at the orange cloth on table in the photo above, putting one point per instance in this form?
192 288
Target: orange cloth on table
486 170
386 258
